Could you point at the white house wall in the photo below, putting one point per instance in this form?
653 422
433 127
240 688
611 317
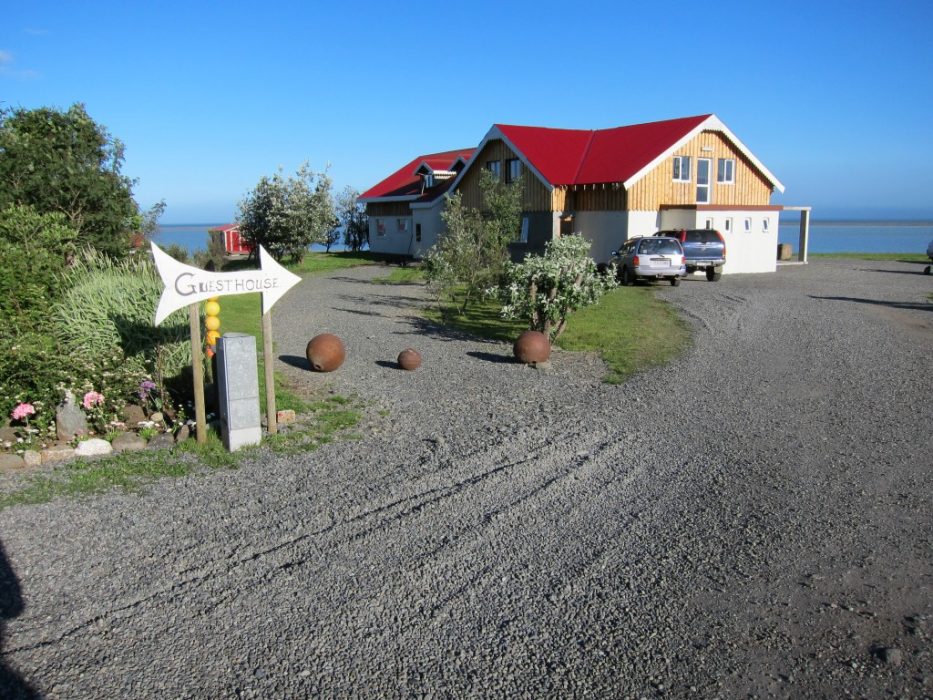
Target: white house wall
605 230
754 250
431 227
395 239
642 223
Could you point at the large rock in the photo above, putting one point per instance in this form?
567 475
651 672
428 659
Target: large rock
95 447
133 415
161 441
9 462
128 442
70 421
32 458
57 453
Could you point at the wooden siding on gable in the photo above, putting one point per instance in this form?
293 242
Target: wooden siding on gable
658 187
536 197
598 198
388 209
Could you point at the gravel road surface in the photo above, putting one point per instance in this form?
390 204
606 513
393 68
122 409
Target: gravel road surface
753 520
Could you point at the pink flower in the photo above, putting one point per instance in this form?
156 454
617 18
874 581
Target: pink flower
91 399
23 410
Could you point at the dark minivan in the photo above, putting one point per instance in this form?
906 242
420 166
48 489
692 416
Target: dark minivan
704 248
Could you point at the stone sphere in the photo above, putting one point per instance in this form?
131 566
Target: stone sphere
325 352
532 347
409 359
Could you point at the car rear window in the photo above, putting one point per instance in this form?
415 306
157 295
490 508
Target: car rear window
703 235
660 246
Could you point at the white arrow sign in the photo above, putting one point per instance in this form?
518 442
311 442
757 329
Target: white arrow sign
186 285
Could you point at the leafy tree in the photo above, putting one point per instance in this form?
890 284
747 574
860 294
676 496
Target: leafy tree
65 162
36 248
285 216
546 289
353 219
471 255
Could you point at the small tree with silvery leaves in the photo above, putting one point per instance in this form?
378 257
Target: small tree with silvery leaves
286 215
546 289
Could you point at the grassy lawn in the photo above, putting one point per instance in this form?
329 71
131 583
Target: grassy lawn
402 275
630 328
879 257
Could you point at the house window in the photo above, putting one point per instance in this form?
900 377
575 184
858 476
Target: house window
703 180
523 236
725 171
402 225
764 224
513 169
727 226
380 227
681 168
495 167
748 224
709 223
429 180
418 232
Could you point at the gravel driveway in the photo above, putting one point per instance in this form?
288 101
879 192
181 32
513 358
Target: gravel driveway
752 520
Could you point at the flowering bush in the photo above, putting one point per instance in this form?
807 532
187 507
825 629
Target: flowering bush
545 289
23 411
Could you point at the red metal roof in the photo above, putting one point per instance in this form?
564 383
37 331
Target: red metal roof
577 157
405 183
227 227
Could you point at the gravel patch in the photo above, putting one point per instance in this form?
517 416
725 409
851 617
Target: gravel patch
751 520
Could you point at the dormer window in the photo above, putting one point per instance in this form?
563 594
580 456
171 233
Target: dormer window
429 180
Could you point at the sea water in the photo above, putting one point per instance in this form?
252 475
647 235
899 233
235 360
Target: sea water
194 237
860 236
825 236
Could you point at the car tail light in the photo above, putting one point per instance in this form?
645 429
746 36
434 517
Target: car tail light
682 235
635 261
723 243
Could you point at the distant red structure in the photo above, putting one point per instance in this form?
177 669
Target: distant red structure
233 244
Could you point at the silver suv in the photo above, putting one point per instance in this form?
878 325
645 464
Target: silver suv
651 257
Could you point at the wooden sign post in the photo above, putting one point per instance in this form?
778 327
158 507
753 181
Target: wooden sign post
186 285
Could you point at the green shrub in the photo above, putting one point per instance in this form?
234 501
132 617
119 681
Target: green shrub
35 248
545 289
105 321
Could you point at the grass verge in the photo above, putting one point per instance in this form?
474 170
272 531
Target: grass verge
321 422
630 328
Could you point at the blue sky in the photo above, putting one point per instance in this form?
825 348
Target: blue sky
836 98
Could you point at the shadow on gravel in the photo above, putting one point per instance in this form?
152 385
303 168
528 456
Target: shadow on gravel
493 357
441 332
877 302
358 312
399 302
12 686
296 361
913 273
389 364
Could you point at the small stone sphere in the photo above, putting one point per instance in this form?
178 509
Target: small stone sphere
325 352
532 347
409 359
